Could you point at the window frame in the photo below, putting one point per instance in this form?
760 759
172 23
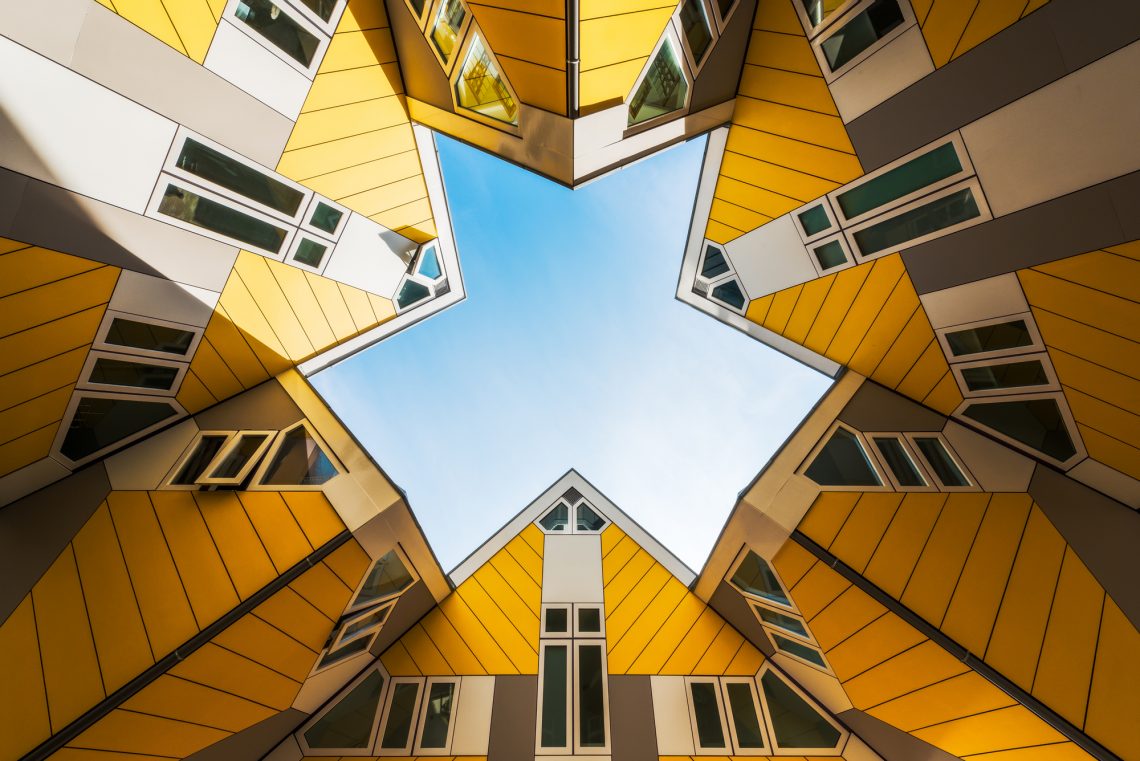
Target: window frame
720 302
714 34
352 607
299 735
339 640
568 607
324 38
884 480
417 748
698 749
423 16
775 608
326 27
668 35
383 714
839 20
418 261
839 238
295 245
308 210
1079 453
721 23
812 30
578 633
776 748
572 525
461 35
431 286
911 450
473 32
576 710
73 404
1036 345
932 474
774 604
187 453
571 681
94 355
824 201
256 483
100 343
207 479
1052 383
772 634
729 718
710 281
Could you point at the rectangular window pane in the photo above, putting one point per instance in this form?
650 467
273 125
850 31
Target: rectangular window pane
830 254
788 623
899 462
209 214
1007 375
706 711
556 621
445 32
149 337
196 463
927 169
589 620
400 715
358 645
696 28
237 458
437 717
861 32
326 218
591 698
999 336
941 461
323 8
929 218
745 720
117 372
205 162
310 252
814 220
278 27
554 708
797 648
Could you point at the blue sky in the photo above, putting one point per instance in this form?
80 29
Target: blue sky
571 351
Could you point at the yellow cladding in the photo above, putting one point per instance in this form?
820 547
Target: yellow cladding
50 308
24 721
654 625
952 27
353 139
616 38
869 318
488 625
188 26
1087 308
530 45
787 144
1114 702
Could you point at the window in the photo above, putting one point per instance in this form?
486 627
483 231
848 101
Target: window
323 8
815 220
860 33
588 621
153 338
992 338
348 723
482 88
815 13
410 293
98 421
730 294
572 679
591 718
123 372
554 696
197 209
941 462
743 715
400 715
725 715
663 88
273 23
429 263
918 222
201 455
830 254
1039 423
707 712
754 577
843 461
237 459
224 171
298 458
900 464
326 218
587 520
997 376
799 650
793 722
390 576
361 625
448 24
714 264
724 9
922 172
774 618
695 30
557 519
436 725
309 253
556 620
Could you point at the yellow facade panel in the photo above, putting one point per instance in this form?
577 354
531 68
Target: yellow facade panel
518 580
26 449
383 307
693 645
721 651
896 312
246 315
338 88
1104 416
632 606
618 37
1100 271
174 698
817 589
398 662
833 312
777 16
864 528
353 180
791 562
782 51
927 372
476 636
294 284
1106 311
665 640
721 233
627 578
882 279
350 562
412 219
591 9
1114 701
243 554
945 396
538 86
23 703
883 638
1112 452
362 14
936 574
944 26
152 18
524 553
611 537
758 309
257 640
1110 385
517 648
790 88
355 49
54 372
608 85
216 667
309 164
348 120
897 554
617 558
524 36
757 199
127 732
796 123
266 293
963 695
797 186
214 373
292 614
427 657
839 167
34 414
746 662
276 528
50 301
315 515
393 197
47 340
782 304
1005 728
989 18
231 349
323 590
736 216
807 307
1074 346
359 307
451 645
195 24
912 670
845 615
908 347
522 613
23 267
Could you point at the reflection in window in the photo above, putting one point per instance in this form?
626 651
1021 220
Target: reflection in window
275 25
437 717
695 24
830 254
209 214
1008 375
445 31
947 211
148 336
326 218
554 688
861 32
745 715
943 465
388 577
299 460
714 263
220 169
323 8
98 423
799 649
919 172
195 465
662 90
706 711
117 372
818 10
411 293
481 87
797 724
238 456
401 714
348 724
775 618
725 6
1000 336
898 460
756 578
558 519
729 292
842 462
1036 423
429 264
588 520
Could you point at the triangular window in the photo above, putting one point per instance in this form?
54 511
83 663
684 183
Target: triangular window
662 89
482 88
558 519
299 460
796 724
843 462
348 724
588 520
754 577
388 577
580 519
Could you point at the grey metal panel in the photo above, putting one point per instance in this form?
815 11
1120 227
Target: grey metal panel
265 406
424 78
35 529
1089 29
414 604
1073 224
875 408
720 76
1103 532
890 742
253 742
732 606
49 27
634 737
513 718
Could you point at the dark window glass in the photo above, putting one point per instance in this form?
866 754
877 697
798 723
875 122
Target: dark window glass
117 372
996 337
149 337
310 252
1036 423
800 649
714 263
790 623
554 711
842 462
437 718
99 423
211 215
348 724
220 169
557 519
277 26
926 219
387 577
364 622
401 714
814 220
941 462
411 293
323 8
588 520
710 733
745 719
797 724
299 461
589 620
818 10
830 254
326 218
556 620
927 169
591 698
729 292
429 264
418 7
358 645
1006 375
899 462
196 463
662 90
756 578
696 28
861 32
724 6
238 456
446 30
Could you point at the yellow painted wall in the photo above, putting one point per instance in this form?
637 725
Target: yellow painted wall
787 144
529 42
615 38
188 26
952 27
1087 308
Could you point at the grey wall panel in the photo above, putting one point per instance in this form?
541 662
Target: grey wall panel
875 408
49 27
424 78
633 735
414 604
253 742
732 606
1107 214
720 76
35 529
266 406
513 718
889 742
1103 532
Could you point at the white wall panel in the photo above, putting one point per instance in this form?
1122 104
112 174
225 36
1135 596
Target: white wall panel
771 258
473 716
244 62
671 716
980 300
366 257
890 70
572 568
164 299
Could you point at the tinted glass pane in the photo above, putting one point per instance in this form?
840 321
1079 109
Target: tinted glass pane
710 733
437 719
322 8
790 623
662 90
192 469
326 218
358 645
554 713
411 293
818 10
348 724
797 724
481 87
274 24
997 337
745 720
299 461
924 220
220 169
238 456
1008 375
310 252
589 620
99 423
941 462
861 32
387 577
899 462
730 294
842 462
353 627
756 578
429 264
930 167
211 215
1037 423
724 6
830 254
557 519
714 263
591 698
144 335
556 620
800 649
116 372
398 729
588 520
814 220
446 28
418 6
696 28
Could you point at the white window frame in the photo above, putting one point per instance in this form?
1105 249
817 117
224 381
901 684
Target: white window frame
94 355
167 481
811 29
578 633
263 467
884 480
295 245
773 633
340 640
695 66
576 724
208 479
311 209
411 569
419 750
719 302
721 23
382 717
572 525
302 19
326 27
840 20
569 620
423 16
707 281
920 464
669 36
776 608
698 749
1052 383
73 404
819 708
460 36
911 437
571 682
729 718
299 735
1036 345
100 342
1079 453
773 604
419 261
839 238
824 201
431 285
472 33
